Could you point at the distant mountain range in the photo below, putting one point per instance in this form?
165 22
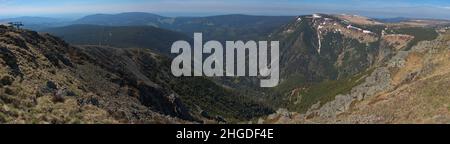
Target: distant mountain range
224 27
393 20
122 19
145 30
159 40
37 23
405 19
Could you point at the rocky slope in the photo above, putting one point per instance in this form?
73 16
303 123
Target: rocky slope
404 81
45 80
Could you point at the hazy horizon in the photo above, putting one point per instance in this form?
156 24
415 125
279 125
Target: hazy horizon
68 9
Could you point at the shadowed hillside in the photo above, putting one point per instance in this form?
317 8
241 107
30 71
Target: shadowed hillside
225 27
149 37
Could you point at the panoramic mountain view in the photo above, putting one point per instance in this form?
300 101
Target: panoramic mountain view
332 62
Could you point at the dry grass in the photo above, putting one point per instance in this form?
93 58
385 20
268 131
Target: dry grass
359 19
422 100
413 64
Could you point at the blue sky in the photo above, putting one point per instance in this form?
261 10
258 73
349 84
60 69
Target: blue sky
373 8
